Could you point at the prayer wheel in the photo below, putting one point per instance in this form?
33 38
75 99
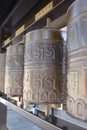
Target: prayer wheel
14 70
77 59
43 67
2 71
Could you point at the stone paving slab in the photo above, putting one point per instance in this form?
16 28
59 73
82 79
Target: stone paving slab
18 122
62 114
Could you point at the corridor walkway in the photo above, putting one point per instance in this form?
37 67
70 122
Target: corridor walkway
17 122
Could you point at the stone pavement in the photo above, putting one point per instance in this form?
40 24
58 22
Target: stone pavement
18 122
62 114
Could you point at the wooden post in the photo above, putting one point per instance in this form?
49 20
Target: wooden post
48 22
47 111
25 103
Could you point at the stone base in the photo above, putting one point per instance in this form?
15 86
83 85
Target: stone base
63 120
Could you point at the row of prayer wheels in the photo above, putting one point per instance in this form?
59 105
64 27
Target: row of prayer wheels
37 70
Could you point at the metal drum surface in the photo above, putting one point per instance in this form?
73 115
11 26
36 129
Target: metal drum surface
2 71
14 70
77 59
43 67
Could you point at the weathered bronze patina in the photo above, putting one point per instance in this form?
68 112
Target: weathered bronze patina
2 71
77 59
14 70
43 75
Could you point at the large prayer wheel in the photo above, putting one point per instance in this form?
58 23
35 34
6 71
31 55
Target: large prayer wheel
2 71
14 70
43 67
77 59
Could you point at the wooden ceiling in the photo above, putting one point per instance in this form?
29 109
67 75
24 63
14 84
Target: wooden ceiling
6 6
14 13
